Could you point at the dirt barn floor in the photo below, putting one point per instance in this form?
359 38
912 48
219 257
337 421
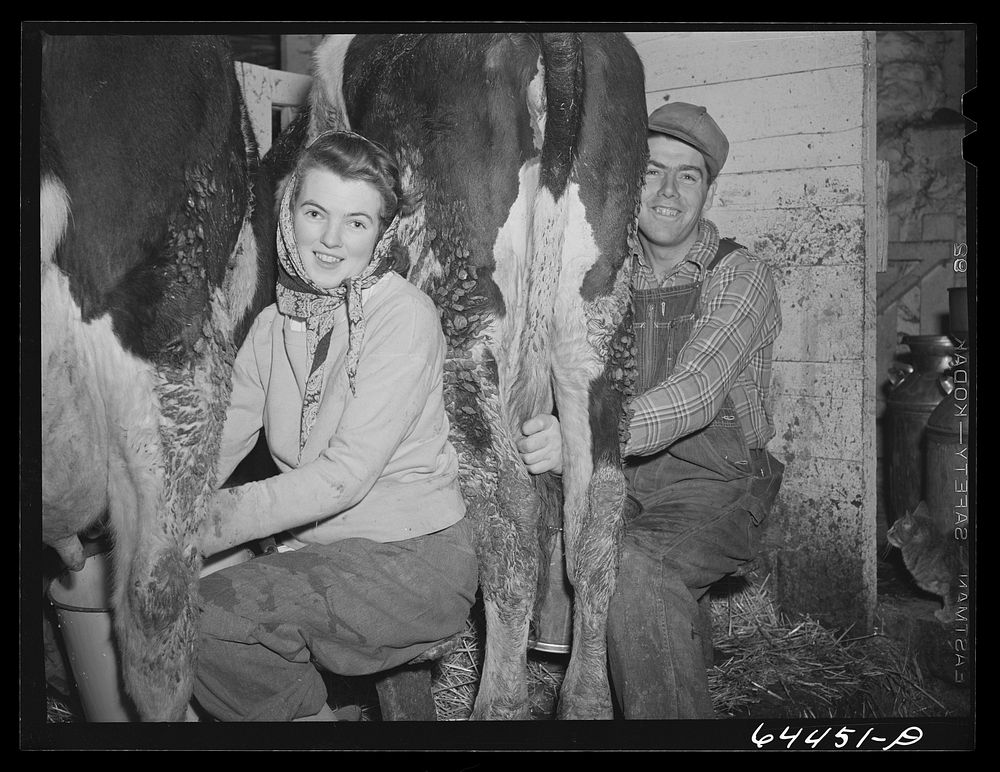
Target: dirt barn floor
765 665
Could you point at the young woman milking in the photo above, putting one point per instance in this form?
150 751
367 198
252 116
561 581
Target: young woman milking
344 376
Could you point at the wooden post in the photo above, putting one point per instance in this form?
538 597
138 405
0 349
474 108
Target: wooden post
882 216
256 84
876 245
266 90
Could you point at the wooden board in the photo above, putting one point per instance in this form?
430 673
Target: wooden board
265 91
799 150
822 309
816 101
817 380
701 58
797 237
820 427
788 189
822 481
255 82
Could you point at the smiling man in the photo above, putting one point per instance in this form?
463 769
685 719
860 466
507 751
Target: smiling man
679 187
706 316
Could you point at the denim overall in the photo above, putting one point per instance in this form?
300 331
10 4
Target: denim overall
702 500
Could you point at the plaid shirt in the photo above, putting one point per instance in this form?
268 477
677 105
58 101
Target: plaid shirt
729 351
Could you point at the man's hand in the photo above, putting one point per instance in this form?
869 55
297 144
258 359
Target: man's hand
541 445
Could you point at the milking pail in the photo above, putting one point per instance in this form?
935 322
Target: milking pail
917 389
551 628
82 601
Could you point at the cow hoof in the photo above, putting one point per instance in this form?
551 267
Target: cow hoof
586 711
579 704
585 694
498 713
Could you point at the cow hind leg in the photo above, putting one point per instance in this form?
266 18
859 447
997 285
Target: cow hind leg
155 616
507 549
589 403
158 630
503 507
161 481
592 563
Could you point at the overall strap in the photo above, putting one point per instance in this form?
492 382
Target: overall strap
726 246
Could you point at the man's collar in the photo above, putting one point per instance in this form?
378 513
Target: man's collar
703 249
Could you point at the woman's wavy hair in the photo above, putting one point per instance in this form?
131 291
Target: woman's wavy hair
354 157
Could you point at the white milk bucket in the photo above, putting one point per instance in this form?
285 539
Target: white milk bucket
82 603
82 600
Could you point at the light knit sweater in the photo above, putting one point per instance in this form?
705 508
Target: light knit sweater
377 466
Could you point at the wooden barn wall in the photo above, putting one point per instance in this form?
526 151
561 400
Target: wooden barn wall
798 190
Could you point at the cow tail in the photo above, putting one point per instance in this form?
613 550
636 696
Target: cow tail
556 109
562 56
562 71
562 61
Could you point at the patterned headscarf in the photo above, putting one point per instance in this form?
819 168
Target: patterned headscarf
300 297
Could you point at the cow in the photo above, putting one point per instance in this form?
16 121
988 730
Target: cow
526 154
151 273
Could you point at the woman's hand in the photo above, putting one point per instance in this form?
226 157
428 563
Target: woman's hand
541 445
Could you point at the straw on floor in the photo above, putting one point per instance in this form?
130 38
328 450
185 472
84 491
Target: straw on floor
766 665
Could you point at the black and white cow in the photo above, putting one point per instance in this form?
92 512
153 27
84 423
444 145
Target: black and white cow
527 153
150 275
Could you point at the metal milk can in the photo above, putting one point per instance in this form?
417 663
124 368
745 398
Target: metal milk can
949 450
917 389
946 485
